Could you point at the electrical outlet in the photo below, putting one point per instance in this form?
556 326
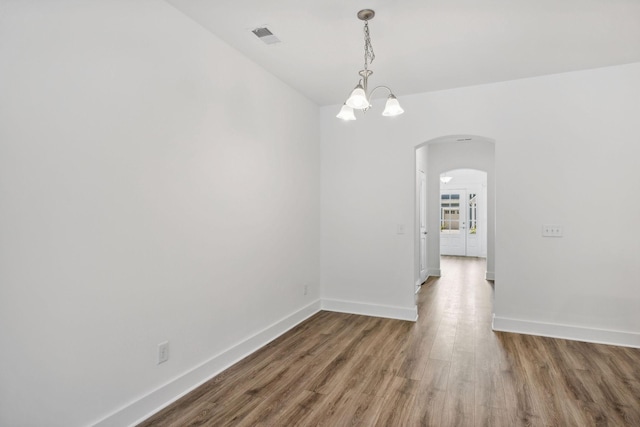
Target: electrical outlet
163 352
550 230
306 289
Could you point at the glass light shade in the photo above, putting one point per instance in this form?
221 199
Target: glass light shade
445 179
358 99
346 113
392 107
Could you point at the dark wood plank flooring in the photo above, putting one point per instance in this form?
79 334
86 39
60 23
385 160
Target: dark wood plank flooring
447 369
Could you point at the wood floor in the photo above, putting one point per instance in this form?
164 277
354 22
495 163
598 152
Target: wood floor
448 369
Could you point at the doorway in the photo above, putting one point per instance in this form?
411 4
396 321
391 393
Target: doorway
463 213
446 154
452 223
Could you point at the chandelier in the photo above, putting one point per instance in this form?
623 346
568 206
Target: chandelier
360 96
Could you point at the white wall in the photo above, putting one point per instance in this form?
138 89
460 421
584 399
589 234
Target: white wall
366 265
154 185
565 146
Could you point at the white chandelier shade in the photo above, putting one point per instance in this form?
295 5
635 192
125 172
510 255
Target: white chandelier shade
346 113
392 107
358 99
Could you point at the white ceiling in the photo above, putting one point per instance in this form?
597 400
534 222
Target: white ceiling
423 45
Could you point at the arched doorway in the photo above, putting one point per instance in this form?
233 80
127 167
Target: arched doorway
433 158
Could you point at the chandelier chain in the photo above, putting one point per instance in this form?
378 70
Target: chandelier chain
369 56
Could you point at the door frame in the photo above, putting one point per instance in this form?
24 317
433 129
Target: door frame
422 227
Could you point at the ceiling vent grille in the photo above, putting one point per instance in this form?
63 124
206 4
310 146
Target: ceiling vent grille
265 35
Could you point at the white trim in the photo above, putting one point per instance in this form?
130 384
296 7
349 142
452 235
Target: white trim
489 275
568 332
376 310
419 284
141 409
434 272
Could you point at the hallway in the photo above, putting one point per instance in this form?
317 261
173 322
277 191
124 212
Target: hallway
447 369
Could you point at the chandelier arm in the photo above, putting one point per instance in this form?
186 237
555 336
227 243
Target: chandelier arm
380 87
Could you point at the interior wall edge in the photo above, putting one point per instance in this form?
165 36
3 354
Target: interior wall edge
374 310
435 272
567 332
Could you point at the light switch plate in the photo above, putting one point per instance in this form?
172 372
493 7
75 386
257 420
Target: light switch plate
163 352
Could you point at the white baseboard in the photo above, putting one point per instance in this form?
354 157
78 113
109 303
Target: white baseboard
143 408
375 310
435 272
148 405
567 332
419 284
489 275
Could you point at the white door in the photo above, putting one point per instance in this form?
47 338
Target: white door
423 226
453 227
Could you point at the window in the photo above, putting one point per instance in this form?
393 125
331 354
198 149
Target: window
473 213
449 213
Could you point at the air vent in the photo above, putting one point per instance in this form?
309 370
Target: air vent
265 35
463 139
